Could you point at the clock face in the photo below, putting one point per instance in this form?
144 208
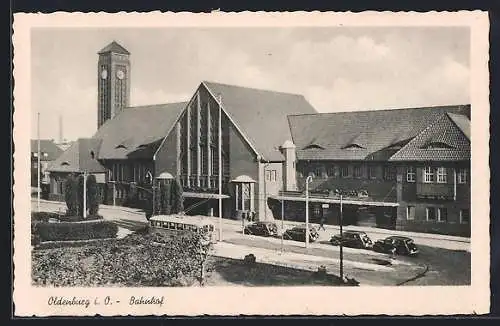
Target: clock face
120 74
104 74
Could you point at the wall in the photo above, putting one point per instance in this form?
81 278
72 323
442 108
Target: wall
242 161
166 158
419 223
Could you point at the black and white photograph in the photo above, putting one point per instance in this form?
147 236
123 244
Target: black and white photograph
337 157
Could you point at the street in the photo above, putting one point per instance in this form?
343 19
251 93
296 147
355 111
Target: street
445 260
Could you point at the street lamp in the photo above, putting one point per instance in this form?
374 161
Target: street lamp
341 251
308 180
84 194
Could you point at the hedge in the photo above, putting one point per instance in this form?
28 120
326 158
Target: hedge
43 216
64 231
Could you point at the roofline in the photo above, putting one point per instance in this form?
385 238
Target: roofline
253 88
381 110
429 126
456 125
259 156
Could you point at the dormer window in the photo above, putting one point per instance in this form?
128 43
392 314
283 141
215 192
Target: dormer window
121 146
437 145
92 154
313 146
353 146
65 163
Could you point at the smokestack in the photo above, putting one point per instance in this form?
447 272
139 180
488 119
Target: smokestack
61 139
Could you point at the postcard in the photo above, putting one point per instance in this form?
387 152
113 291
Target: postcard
284 163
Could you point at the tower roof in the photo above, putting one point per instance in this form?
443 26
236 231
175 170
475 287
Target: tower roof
114 47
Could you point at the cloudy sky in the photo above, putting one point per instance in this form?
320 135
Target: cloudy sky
335 68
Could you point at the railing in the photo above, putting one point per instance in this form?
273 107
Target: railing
435 190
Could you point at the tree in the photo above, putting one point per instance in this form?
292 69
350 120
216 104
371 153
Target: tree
92 195
80 194
70 195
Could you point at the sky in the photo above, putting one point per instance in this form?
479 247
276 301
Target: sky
335 68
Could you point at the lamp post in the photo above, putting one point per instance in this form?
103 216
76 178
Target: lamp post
341 251
219 147
282 221
308 180
84 194
38 163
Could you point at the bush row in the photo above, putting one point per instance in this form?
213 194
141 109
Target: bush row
45 231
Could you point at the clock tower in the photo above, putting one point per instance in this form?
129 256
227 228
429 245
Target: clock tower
113 85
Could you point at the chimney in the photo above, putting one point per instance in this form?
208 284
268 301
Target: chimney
61 139
289 172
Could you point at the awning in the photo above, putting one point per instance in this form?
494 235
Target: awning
203 195
337 201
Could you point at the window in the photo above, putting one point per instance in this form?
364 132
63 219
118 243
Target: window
243 196
271 175
358 171
430 213
317 210
35 154
35 165
331 171
441 175
464 216
372 172
344 171
462 176
410 212
428 175
442 214
318 171
410 174
389 173
45 154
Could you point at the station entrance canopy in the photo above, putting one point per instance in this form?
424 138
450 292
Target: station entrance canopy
335 200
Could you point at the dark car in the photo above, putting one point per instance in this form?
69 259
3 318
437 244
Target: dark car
267 229
298 233
352 239
398 245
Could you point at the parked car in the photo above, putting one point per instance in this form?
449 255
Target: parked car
267 229
298 233
401 246
352 239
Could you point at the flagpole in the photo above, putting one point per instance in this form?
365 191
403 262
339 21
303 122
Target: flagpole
38 161
220 166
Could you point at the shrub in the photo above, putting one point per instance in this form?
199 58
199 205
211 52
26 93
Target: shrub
250 259
92 196
69 218
133 261
71 194
43 216
75 231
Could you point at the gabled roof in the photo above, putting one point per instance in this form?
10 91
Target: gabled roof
114 47
78 158
462 122
136 132
448 143
375 135
261 115
46 146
